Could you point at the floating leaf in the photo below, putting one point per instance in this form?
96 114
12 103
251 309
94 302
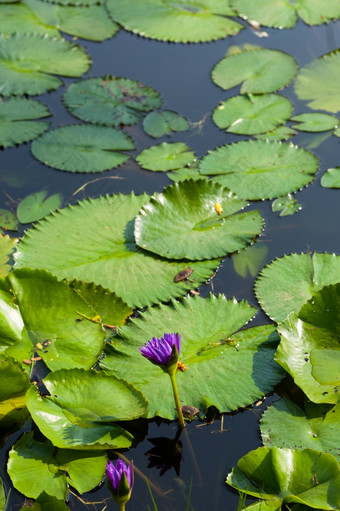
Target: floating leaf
182 21
82 148
7 246
8 220
317 83
280 133
186 173
19 18
2 497
255 169
250 260
27 62
14 384
331 178
36 206
214 354
183 223
16 124
286 205
106 253
45 501
287 283
110 100
259 70
287 476
158 124
165 156
315 122
81 408
284 424
250 115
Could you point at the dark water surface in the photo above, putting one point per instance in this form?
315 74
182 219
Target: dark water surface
181 73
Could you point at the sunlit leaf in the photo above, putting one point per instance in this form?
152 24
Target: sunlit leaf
14 384
158 124
36 206
2 497
165 157
17 17
286 205
331 178
315 122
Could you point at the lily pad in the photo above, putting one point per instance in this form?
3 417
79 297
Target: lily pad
331 178
280 133
36 206
259 70
2 497
110 100
255 169
287 283
106 252
81 408
27 63
212 351
250 115
7 247
14 384
165 157
317 83
287 476
284 424
184 222
17 17
286 205
185 173
82 148
8 220
16 120
158 124
181 21
315 122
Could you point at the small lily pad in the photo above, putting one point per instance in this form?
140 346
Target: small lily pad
158 124
165 157
286 205
331 178
8 220
280 133
315 122
37 206
190 172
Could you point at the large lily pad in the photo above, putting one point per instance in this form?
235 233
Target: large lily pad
255 169
259 70
16 120
19 18
106 252
287 476
284 424
317 83
183 222
287 283
27 63
251 115
309 348
177 21
211 350
14 384
81 408
83 148
111 100
158 124
166 156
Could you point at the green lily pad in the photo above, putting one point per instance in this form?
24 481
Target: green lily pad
158 124
27 63
2 497
106 253
280 133
185 173
250 260
183 222
255 169
7 247
45 501
14 384
315 122
16 120
284 424
17 17
210 349
287 283
250 115
287 476
110 100
317 83
165 157
181 21
81 408
259 70
287 205
8 220
36 206
331 178
82 148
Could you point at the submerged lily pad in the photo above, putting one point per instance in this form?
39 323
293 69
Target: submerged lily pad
251 115
16 120
106 252
165 157
158 124
180 21
250 260
27 63
195 220
8 220
287 283
315 122
110 100
331 178
255 169
317 83
212 351
36 206
14 384
259 70
81 408
82 148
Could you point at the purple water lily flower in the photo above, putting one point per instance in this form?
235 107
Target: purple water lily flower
160 351
120 480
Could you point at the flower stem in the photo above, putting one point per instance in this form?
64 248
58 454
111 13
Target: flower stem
122 507
176 397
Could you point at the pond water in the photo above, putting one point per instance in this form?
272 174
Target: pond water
181 73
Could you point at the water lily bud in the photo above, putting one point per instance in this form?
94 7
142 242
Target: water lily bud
164 351
119 478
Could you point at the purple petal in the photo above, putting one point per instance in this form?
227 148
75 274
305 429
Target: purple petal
159 350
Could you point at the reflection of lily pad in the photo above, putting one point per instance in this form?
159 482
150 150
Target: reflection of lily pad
110 100
260 170
183 222
165 157
157 124
214 354
179 21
